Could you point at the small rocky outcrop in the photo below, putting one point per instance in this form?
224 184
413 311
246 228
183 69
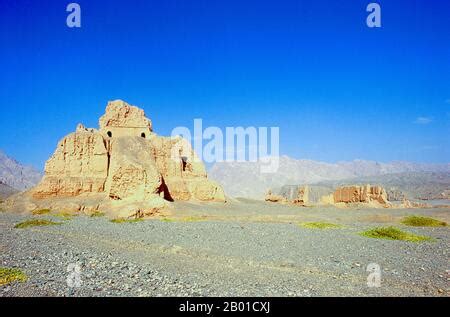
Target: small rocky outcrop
270 197
302 195
360 194
310 195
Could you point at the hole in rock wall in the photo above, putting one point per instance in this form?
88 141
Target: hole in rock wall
184 161
109 134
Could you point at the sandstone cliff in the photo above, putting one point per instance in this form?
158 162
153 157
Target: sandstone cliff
310 195
124 164
360 194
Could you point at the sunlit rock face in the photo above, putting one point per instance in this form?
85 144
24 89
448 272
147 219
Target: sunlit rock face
126 161
360 194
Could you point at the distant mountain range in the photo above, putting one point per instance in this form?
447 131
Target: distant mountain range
6 191
244 179
16 176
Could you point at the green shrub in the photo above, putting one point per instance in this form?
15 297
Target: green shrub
167 219
97 214
8 276
192 219
419 221
392 233
41 212
125 220
63 215
34 223
320 225
184 219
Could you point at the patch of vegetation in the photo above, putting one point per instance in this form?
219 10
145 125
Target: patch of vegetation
320 225
41 212
167 219
35 223
184 219
63 215
393 233
419 221
8 276
125 220
97 214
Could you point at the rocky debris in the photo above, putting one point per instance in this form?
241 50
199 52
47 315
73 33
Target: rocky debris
414 204
124 166
16 175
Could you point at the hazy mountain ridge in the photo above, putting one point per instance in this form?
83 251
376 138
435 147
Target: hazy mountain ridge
244 179
16 175
6 191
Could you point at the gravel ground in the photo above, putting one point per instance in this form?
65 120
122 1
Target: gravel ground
240 249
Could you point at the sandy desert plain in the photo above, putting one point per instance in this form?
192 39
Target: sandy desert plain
240 248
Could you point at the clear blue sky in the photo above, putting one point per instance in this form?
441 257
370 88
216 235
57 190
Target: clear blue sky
337 89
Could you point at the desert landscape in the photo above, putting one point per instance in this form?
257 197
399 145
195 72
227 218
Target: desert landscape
205 154
139 216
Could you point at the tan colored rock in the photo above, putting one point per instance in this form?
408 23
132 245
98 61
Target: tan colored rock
302 196
132 170
360 194
327 199
122 119
414 204
274 198
79 165
126 164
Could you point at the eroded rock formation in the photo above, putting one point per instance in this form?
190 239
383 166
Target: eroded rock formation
304 195
360 194
310 195
79 165
273 198
126 162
